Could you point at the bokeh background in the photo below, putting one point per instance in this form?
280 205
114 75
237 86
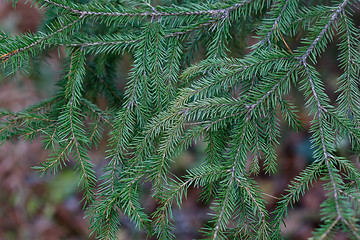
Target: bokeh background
38 208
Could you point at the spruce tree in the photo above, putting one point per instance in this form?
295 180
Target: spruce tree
192 80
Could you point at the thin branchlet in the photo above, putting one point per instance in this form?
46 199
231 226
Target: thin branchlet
5 57
155 12
331 21
267 38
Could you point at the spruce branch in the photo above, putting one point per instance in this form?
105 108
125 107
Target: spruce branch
59 157
260 206
155 12
28 42
349 97
337 201
191 82
329 229
326 28
296 188
275 24
96 111
224 204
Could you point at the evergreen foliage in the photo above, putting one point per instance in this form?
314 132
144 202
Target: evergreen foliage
191 81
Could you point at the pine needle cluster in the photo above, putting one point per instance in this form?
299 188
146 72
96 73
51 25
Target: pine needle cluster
188 82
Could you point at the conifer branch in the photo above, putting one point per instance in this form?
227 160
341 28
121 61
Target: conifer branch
101 115
275 24
253 198
41 40
224 204
129 42
349 98
297 187
337 201
329 229
52 163
273 89
350 61
191 81
102 43
331 21
155 12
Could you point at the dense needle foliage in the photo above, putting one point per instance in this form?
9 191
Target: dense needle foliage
191 79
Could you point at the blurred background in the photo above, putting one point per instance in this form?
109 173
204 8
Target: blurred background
33 207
